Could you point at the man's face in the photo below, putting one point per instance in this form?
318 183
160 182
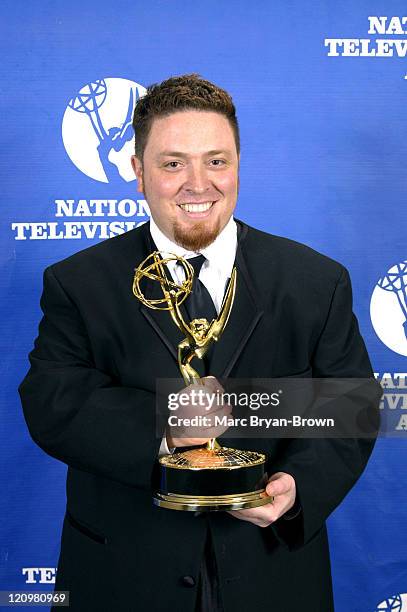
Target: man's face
189 176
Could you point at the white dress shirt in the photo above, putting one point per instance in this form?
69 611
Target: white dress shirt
220 257
215 271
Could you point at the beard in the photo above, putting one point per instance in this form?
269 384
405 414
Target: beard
196 237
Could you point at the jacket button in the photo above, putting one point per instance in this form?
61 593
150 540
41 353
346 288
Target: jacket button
188 581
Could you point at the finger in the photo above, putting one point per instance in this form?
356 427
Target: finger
209 425
279 485
203 407
267 513
219 411
212 383
213 432
262 516
243 515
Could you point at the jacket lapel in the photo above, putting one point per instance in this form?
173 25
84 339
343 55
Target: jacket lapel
244 317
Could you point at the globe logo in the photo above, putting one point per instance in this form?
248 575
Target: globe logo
392 604
388 308
97 128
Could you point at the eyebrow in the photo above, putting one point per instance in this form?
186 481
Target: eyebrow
184 155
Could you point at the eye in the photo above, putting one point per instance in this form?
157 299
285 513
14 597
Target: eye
172 165
217 162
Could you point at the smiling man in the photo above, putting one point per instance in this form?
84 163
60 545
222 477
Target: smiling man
89 396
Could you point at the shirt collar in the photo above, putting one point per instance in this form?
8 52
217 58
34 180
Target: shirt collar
220 253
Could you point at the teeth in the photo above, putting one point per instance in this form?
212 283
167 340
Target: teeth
196 207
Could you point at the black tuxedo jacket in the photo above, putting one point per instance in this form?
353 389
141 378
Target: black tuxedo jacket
89 401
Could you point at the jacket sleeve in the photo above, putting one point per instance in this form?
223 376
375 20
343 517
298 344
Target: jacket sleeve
326 469
74 411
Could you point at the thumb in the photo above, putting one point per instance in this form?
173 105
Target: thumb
276 485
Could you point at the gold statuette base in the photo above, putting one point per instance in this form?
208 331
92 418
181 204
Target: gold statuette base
206 503
211 480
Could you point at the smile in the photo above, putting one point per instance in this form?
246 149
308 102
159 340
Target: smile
196 207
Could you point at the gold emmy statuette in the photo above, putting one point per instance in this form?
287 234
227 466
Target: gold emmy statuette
210 477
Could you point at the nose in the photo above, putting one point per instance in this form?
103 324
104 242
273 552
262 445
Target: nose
197 179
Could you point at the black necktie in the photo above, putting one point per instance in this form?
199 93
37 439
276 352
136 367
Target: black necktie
199 303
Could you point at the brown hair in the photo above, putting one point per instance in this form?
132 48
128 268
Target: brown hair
185 92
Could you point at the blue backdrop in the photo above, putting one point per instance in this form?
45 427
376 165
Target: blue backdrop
323 128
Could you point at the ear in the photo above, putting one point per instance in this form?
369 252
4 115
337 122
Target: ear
137 166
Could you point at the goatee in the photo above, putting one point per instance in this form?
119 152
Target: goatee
197 237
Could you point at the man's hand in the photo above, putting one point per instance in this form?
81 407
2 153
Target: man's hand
202 405
281 486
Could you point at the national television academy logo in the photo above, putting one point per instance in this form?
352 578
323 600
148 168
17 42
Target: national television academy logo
396 603
97 131
388 308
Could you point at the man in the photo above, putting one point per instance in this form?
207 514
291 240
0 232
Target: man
89 397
